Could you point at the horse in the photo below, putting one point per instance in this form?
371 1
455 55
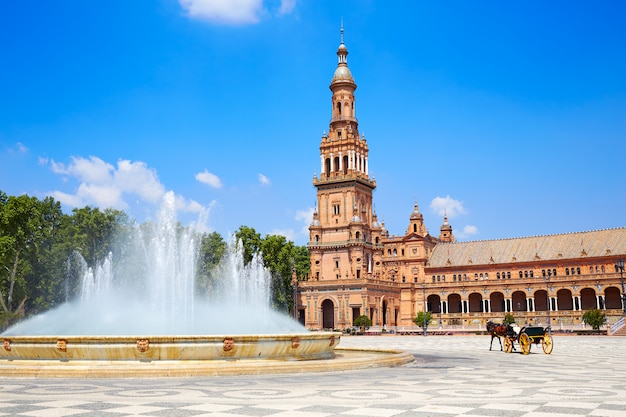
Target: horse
498 331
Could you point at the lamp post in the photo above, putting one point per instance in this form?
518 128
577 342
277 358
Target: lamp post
425 305
549 306
294 281
620 267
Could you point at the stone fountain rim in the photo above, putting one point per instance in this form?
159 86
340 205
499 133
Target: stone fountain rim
347 359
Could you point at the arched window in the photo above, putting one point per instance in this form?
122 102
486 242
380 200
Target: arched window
414 228
376 240
520 274
578 270
566 272
497 275
554 272
357 235
508 275
338 109
531 273
317 238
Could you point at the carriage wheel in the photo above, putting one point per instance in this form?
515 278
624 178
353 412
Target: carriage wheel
546 344
524 343
508 345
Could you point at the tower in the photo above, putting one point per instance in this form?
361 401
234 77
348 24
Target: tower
341 231
345 241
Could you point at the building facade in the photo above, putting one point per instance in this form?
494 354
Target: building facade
358 268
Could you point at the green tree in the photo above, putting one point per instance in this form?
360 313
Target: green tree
594 318
31 255
94 231
423 319
508 319
212 248
363 323
250 240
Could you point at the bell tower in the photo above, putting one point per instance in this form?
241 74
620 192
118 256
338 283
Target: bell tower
341 231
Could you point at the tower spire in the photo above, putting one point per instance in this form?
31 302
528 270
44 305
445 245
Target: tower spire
341 30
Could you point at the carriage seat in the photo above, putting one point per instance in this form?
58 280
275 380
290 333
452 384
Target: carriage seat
516 329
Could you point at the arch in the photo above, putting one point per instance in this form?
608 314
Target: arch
612 298
384 306
518 298
327 167
345 164
475 303
496 299
434 303
454 303
328 314
336 163
588 299
338 108
564 299
541 300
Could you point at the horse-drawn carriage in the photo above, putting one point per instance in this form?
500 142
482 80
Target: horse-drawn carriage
525 337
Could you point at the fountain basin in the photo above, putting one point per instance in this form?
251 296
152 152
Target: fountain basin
294 347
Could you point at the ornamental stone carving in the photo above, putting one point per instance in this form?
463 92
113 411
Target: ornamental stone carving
229 344
143 345
295 342
62 345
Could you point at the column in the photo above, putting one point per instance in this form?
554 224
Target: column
322 165
357 161
332 163
341 162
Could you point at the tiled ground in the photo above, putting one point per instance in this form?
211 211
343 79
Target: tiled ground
452 376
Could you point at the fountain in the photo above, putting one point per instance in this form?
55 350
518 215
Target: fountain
144 309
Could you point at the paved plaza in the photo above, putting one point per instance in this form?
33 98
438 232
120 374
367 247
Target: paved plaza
452 376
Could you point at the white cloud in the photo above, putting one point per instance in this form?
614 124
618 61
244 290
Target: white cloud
137 178
104 185
71 200
209 179
467 232
92 170
42 160
21 148
264 180
306 217
288 233
234 12
224 11
286 6
447 206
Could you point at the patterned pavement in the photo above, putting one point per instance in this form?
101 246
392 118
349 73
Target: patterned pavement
452 376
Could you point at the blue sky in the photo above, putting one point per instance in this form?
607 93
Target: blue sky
510 116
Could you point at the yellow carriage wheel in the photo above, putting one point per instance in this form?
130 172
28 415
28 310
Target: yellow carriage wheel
508 345
547 344
524 343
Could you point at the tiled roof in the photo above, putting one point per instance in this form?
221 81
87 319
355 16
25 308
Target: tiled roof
608 242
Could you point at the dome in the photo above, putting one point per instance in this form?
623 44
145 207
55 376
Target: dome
355 218
342 73
375 224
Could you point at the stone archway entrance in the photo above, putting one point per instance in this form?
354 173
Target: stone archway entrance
328 314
